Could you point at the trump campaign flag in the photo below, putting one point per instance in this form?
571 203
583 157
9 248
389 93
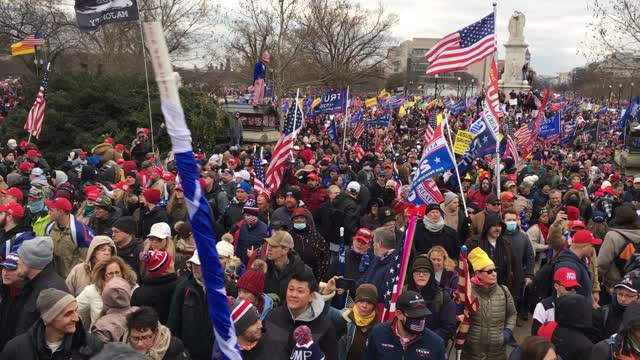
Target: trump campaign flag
436 158
550 127
332 102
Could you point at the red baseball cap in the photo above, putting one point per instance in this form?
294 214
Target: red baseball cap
566 277
122 185
364 234
169 176
577 223
59 203
13 209
233 161
119 161
585 237
15 192
507 195
119 147
313 176
32 152
25 166
108 140
158 170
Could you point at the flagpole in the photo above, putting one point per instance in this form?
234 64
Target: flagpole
497 170
146 75
345 123
295 120
464 202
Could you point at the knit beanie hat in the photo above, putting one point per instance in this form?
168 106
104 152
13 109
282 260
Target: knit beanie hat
251 208
51 302
449 196
252 281
125 224
305 347
479 259
422 262
243 315
573 213
224 249
157 261
36 253
152 195
368 293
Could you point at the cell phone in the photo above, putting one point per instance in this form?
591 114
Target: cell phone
344 283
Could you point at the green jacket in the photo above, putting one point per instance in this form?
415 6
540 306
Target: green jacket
189 318
40 223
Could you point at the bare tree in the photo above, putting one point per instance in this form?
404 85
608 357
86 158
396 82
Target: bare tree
347 42
616 30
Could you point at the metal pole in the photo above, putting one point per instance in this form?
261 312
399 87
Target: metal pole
495 17
464 202
345 122
146 76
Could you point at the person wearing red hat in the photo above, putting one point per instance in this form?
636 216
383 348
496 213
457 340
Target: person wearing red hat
71 237
157 287
356 259
15 231
574 257
564 283
313 194
38 161
140 146
12 194
251 288
308 243
150 213
123 198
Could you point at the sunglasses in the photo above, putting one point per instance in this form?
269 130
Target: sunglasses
490 271
496 203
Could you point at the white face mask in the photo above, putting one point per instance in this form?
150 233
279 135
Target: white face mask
299 226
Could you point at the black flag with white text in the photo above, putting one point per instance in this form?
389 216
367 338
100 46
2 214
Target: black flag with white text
93 13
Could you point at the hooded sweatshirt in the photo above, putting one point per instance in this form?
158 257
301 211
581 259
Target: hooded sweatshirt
80 275
573 320
116 298
621 344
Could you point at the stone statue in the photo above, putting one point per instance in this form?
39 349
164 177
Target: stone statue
516 27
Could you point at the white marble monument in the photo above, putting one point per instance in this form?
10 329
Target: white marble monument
515 63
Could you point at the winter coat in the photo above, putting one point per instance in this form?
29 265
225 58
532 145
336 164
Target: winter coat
279 326
116 300
70 245
32 345
325 218
189 318
521 203
89 305
248 237
501 255
449 281
384 344
314 198
477 222
156 291
523 259
607 320
103 226
352 262
80 275
567 258
442 319
618 343
313 250
345 341
347 216
573 315
130 253
424 240
538 242
276 280
377 273
148 218
284 215
11 240
26 314
497 312
172 346
232 214
614 241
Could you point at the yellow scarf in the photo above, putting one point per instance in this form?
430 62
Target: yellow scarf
362 321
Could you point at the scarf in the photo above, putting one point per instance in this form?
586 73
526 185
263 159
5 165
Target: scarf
433 226
450 217
363 321
161 344
544 230
476 280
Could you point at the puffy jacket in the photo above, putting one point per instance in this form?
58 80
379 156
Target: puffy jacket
424 240
280 325
497 312
156 292
189 318
442 319
614 241
313 250
276 280
116 297
573 315
26 314
348 214
567 258
32 345
383 344
80 275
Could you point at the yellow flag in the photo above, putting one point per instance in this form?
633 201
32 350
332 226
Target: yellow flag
370 102
19 49
315 102
439 118
410 104
383 93
402 112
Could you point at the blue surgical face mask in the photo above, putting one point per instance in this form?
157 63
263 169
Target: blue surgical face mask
299 226
36 206
511 225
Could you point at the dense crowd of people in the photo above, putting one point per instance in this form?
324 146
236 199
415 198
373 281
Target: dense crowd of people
98 258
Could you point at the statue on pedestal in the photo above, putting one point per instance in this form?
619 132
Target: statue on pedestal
516 27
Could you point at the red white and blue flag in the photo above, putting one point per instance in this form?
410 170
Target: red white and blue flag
258 175
492 93
462 48
35 118
281 151
33 40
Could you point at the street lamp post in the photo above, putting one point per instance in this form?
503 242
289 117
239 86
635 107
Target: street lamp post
472 81
435 91
458 94
610 91
631 91
619 94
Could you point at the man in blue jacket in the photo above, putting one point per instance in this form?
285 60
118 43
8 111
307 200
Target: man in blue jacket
574 256
384 243
406 336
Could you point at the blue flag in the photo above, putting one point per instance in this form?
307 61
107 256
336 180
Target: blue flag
603 110
357 116
436 158
332 102
550 126
382 121
331 129
630 113
459 107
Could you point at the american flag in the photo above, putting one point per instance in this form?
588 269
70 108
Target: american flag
34 40
359 153
258 175
512 150
292 124
523 134
378 149
492 97
35 118
464 296
462 48
396 178
537 123
359 130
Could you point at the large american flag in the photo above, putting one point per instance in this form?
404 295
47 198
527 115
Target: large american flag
464 296
462 48
35 118
359 130
523 134
292 125
34 40
512 150
258 175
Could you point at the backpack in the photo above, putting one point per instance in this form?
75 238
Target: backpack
543 280
626 259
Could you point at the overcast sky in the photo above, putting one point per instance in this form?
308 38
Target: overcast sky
555 29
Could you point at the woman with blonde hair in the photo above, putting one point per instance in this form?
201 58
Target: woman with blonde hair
90 299
124 198
159 238
177 207
443 269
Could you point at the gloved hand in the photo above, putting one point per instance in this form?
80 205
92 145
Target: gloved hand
508 336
